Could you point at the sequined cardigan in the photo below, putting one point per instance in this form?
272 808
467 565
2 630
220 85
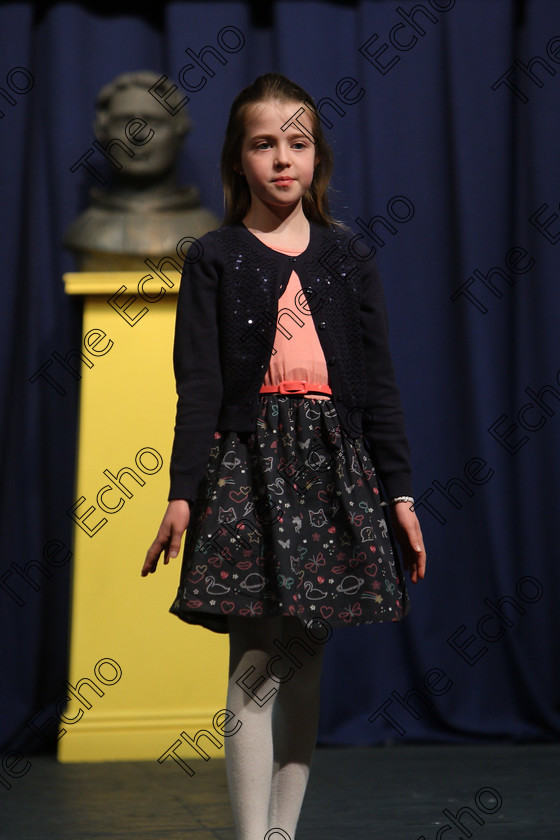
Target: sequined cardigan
224 336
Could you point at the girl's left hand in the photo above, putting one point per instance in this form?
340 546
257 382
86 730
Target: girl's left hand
409 536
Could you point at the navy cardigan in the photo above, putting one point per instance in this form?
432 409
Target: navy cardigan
227 315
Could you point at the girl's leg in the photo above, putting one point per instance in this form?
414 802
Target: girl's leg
295 720
249 752
269 757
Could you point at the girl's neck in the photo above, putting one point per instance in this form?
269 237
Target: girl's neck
291 231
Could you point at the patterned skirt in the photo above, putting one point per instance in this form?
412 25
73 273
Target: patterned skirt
288 521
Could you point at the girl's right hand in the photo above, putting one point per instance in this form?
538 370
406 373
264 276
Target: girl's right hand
171 530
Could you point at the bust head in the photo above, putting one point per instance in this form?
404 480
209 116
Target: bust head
126 98
144 211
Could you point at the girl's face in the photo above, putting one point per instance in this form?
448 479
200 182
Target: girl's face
278 165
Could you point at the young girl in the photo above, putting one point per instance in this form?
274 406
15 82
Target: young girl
288 414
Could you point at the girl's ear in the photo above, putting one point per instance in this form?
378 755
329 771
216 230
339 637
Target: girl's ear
238 169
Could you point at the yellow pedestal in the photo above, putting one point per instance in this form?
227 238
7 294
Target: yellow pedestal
145 675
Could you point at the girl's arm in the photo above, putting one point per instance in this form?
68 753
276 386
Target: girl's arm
196 362
383 416
384 427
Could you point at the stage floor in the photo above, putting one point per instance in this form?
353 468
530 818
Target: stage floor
378 793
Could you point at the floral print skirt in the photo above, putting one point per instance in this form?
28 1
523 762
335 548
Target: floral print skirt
288 521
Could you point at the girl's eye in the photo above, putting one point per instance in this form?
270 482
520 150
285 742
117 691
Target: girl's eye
299 145
262 144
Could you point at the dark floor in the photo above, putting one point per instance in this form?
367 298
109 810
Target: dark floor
381 793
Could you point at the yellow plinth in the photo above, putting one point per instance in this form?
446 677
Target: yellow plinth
145 675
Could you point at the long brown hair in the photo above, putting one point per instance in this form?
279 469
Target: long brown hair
237 195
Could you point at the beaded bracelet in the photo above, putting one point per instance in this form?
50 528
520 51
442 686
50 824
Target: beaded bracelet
396 499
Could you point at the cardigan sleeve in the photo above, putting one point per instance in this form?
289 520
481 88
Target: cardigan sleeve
198 377
383 417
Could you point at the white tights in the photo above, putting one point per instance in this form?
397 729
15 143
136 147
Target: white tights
268 759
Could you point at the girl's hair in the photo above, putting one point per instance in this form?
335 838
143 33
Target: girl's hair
237 195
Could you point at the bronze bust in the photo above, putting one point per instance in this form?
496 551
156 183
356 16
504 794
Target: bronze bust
143 212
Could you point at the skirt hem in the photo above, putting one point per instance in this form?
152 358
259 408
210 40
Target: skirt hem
218 623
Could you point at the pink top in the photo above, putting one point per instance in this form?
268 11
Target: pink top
299 354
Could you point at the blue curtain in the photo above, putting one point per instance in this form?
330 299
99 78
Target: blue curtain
444 119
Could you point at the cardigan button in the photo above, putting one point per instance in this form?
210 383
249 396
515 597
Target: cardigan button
322 325
292 259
